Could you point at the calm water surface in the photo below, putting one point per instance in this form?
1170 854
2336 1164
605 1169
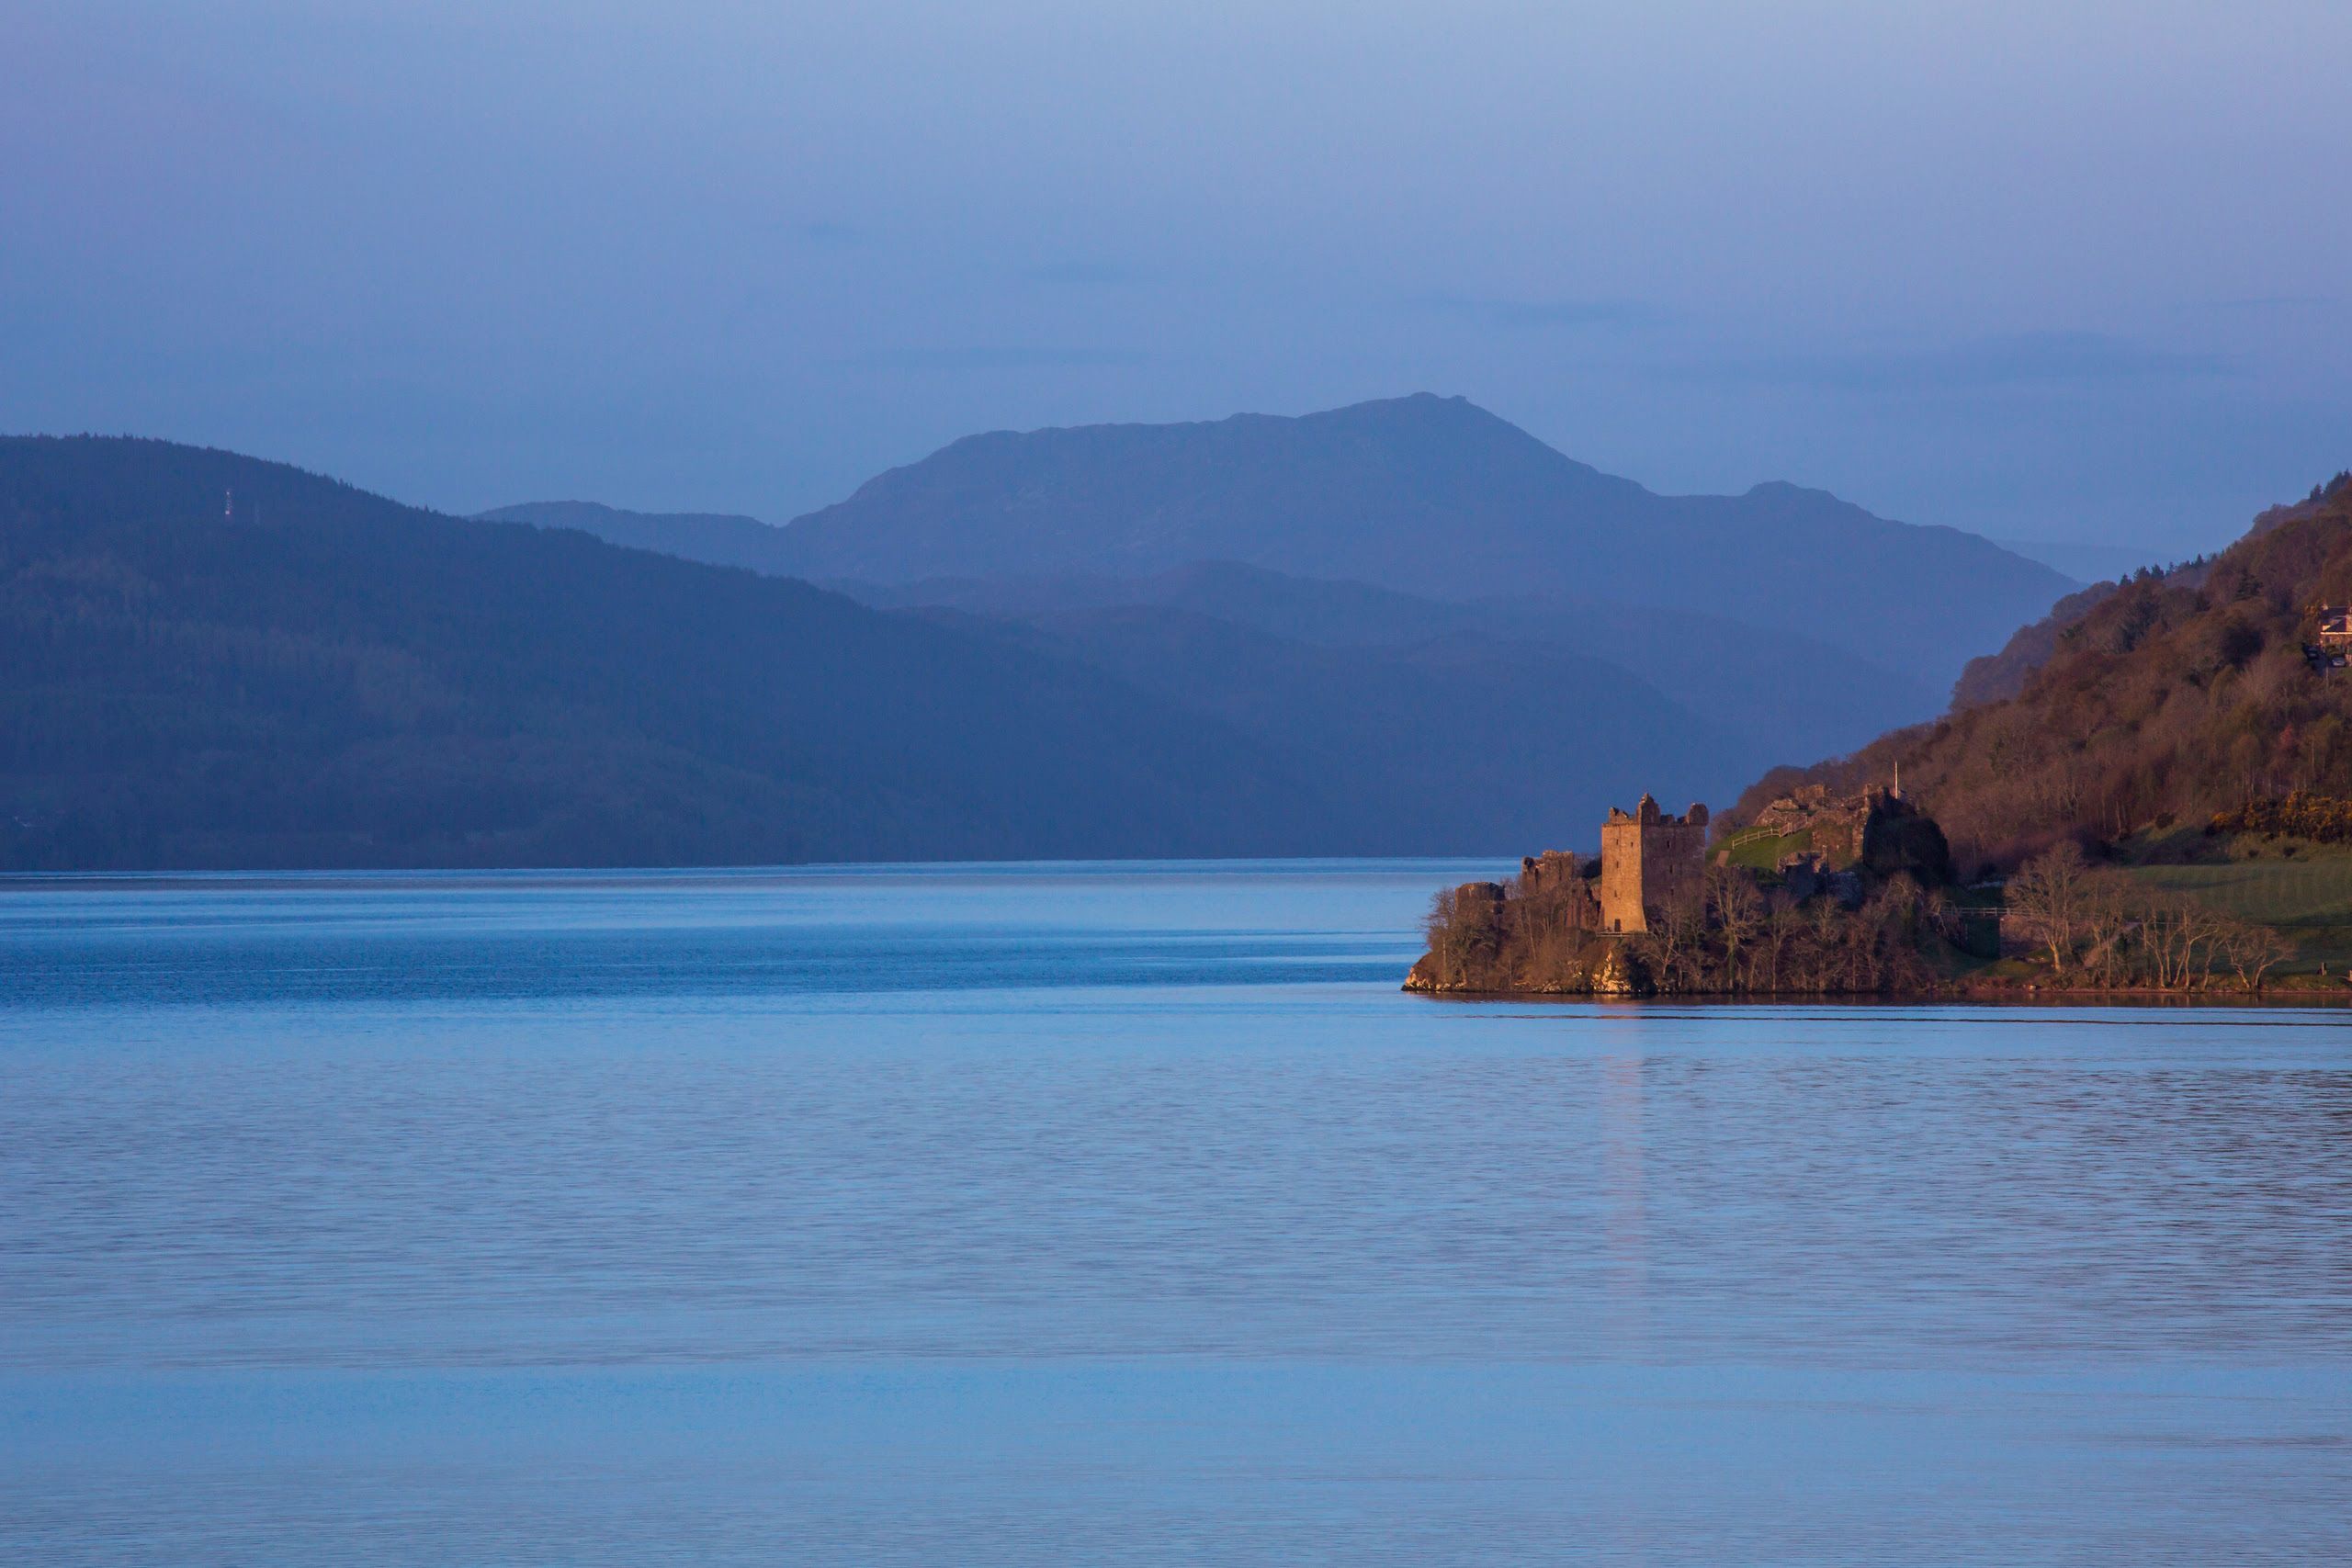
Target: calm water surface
1117 1213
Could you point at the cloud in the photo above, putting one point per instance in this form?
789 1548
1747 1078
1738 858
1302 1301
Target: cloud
1525 313
2018 359
999 357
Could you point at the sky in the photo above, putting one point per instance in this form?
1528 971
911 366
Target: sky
2075 271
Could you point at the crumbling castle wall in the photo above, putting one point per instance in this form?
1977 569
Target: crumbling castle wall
1837 826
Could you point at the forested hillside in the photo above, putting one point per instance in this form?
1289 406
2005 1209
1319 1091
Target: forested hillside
221 662
1991 677
2176 698
217 662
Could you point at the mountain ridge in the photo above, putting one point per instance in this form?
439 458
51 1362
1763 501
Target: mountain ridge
221 662
1433 496
716 538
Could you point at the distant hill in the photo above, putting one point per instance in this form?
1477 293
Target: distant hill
348 682
1784 695
2166 701
1433 497
1756 697
1460 740
310 676
1426 717
717 538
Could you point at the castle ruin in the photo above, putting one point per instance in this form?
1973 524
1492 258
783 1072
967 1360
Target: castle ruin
1650 863
1831 828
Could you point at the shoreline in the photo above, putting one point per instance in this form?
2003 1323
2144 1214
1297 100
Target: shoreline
2271 997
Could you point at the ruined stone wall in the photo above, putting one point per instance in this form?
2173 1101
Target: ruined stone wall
1552 869
1836 826
1555 883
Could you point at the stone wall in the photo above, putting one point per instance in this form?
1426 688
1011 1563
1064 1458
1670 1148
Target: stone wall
1553 884
1553 871
1836 826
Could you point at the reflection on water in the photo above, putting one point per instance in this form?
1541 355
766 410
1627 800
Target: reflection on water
1117 1212
1622 1155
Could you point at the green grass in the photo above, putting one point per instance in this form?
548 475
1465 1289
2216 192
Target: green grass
1760 850
2309 901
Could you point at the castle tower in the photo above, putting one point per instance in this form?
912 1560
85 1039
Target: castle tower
1649 862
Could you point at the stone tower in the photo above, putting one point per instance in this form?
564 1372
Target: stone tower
1649 862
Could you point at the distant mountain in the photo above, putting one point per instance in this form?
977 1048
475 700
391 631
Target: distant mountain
1783 695
1429 496
719 538
1426 717
1461 740
1077 643
354 682
216 661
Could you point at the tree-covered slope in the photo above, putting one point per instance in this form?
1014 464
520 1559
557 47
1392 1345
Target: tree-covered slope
217 662
2175 698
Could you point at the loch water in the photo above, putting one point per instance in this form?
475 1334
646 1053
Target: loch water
1123 1215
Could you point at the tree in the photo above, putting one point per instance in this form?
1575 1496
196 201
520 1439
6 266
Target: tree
1779 928
1738 907
1675 946
2109 912
2253 951
2048 894
1465 931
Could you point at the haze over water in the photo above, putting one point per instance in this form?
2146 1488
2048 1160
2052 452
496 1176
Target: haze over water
1123 1213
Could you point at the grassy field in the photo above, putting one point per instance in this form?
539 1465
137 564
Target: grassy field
2309 901
1760 851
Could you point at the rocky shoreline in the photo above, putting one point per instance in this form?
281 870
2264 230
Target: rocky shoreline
2296 990
1660 916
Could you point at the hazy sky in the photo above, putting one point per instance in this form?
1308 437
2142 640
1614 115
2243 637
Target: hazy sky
2066 271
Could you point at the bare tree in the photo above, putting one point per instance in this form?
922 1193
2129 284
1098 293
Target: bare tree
1441 930
1738 908
1825 925
2253 951
2109 915
1677 945
1465 931
2203 929
2048 893
2167 936
1779 929
2181 936
1940 914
